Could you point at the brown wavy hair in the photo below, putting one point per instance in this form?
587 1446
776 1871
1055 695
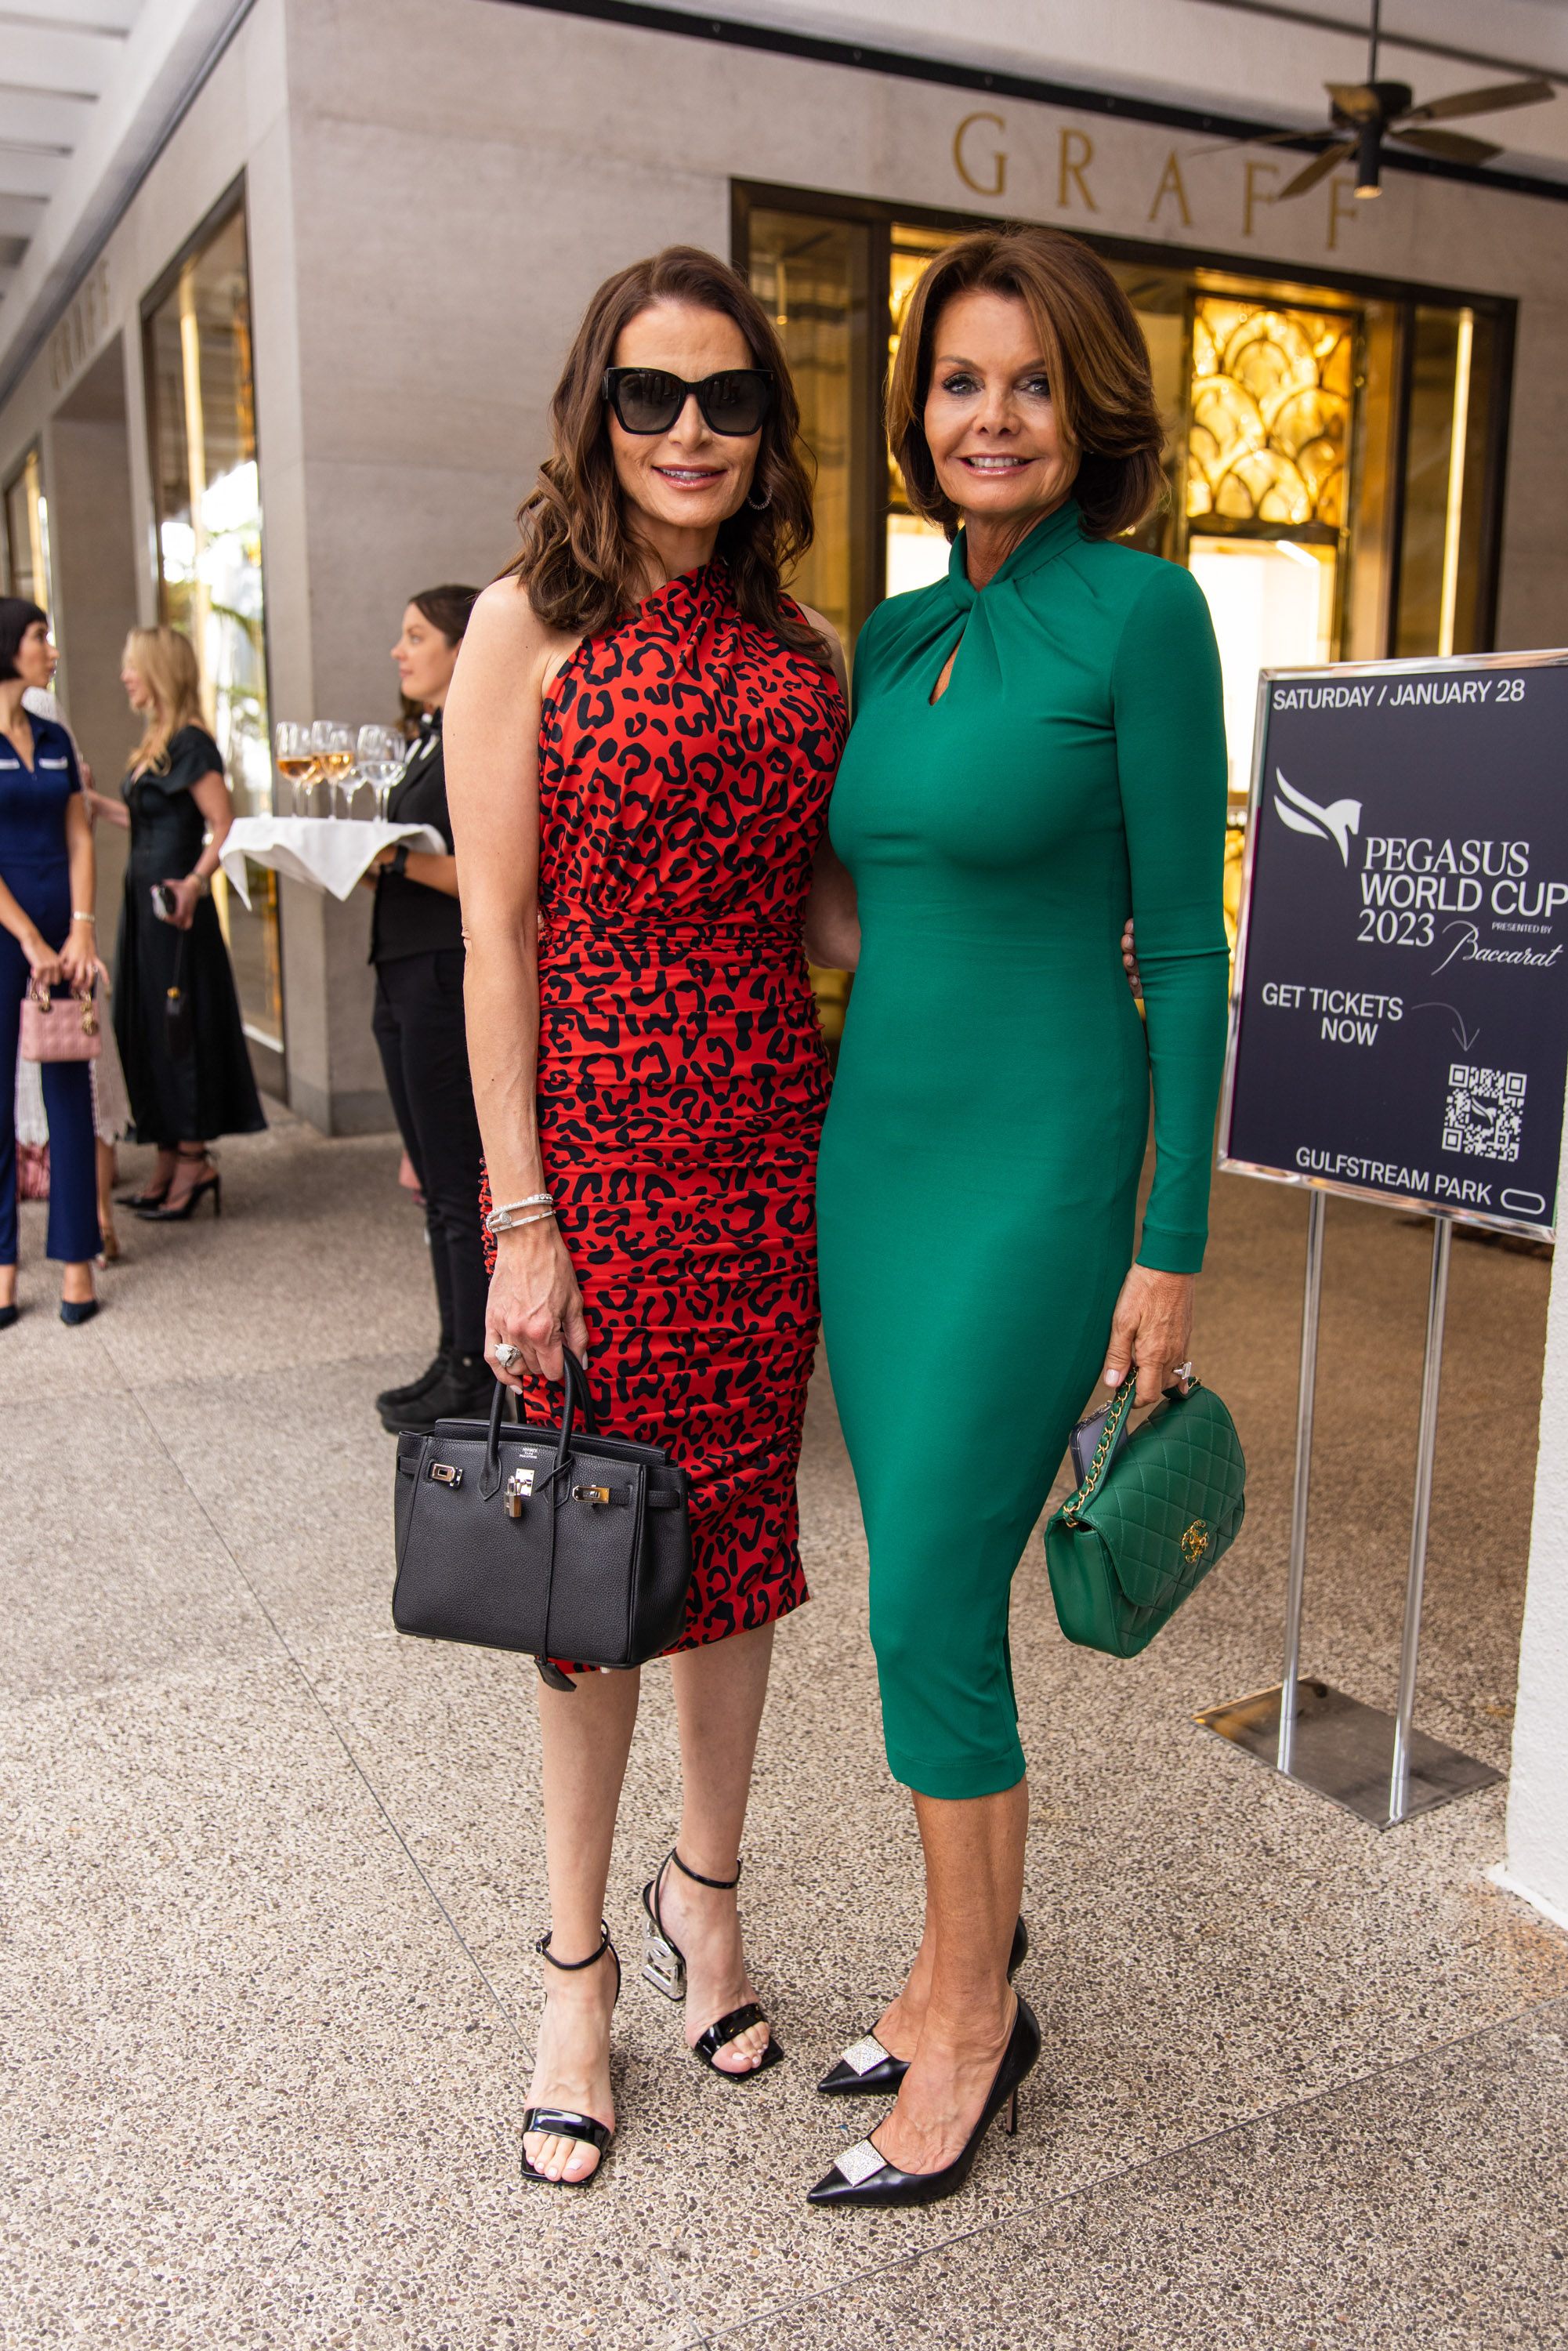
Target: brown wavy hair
1095 357
578 560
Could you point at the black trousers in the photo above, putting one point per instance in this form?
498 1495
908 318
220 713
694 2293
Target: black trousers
418 1026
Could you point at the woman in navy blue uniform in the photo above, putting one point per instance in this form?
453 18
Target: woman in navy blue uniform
47 931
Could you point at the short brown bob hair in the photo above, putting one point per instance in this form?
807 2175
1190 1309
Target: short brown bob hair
1095 356
578 561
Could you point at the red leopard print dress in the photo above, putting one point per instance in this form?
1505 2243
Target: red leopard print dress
685 760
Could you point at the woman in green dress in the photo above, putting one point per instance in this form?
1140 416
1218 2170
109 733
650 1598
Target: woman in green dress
1038 753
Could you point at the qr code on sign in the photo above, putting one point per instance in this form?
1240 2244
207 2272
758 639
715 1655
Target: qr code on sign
1485 1112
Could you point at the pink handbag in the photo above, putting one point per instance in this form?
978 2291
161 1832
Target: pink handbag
59 1028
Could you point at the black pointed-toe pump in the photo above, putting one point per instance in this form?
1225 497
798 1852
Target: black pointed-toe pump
561 2120
664 1966
866 2066
863 2176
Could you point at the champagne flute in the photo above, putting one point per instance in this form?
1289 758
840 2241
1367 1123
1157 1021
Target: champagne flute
295 760
333 745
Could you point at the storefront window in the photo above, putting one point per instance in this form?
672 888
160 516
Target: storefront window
916 550
27 536
202 416
814 276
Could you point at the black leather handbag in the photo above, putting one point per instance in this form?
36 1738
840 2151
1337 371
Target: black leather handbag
556 1542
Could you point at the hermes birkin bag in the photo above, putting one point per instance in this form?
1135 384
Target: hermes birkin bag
556 1542
60 1025
1153 1511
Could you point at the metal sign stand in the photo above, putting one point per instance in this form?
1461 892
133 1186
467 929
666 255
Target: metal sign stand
1378 1765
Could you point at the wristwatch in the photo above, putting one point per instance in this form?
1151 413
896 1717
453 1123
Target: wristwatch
399 860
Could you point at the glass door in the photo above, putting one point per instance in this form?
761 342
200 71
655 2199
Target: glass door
814 273
1269 432
202 416
27 537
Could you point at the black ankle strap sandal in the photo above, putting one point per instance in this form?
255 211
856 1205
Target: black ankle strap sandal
561 2121
664 1966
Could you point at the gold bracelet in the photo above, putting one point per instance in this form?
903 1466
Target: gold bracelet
78 916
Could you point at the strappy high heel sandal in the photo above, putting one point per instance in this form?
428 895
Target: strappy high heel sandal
664 1966
560 2120
862 2174
866 2065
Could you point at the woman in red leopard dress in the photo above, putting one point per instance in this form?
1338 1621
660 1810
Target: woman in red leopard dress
641 740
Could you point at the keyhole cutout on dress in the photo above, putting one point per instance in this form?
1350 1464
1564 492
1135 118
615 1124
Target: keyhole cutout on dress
946 680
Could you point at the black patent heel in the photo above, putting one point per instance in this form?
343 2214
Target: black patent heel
188 1205
866 2066
562 2121
863 2176
664 1966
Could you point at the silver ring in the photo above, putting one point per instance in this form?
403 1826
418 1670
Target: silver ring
1183 1371
506 1354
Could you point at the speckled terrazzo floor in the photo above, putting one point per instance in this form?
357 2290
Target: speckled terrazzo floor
270 1876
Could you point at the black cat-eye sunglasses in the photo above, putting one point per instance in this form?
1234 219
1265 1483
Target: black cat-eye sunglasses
734 402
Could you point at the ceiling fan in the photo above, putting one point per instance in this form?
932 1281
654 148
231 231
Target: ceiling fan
1365 114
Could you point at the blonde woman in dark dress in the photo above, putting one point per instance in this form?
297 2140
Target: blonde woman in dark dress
189 1082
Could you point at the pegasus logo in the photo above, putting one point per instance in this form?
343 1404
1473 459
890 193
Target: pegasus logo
1336 822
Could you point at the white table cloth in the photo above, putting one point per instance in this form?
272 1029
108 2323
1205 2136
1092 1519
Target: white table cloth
327 852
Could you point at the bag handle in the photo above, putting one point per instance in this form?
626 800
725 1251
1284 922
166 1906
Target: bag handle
1122 1405
576 1413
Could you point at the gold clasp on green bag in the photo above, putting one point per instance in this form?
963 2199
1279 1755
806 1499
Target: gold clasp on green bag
1196 1540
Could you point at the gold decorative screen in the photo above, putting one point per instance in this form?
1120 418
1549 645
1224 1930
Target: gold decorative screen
1270 425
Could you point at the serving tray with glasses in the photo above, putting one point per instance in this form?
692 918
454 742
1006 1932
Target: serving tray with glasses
322 831
326 852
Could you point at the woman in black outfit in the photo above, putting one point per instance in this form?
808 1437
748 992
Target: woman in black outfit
177 1015
416 947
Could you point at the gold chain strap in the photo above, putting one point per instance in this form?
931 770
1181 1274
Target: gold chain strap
1117 1415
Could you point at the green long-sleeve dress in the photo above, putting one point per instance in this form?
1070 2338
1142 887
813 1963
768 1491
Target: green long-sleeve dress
980 1170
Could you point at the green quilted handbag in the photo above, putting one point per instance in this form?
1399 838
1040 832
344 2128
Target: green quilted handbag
1153 1513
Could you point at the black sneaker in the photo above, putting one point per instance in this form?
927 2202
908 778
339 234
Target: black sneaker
392 1399
462 1393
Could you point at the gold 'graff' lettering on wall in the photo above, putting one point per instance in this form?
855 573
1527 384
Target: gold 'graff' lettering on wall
1077 155
1171 184
980 160
82 330
997 164
1253 193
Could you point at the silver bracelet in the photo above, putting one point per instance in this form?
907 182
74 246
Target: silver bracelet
510 1224
78 916
500 1216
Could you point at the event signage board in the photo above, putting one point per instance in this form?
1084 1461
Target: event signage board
1399 1018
